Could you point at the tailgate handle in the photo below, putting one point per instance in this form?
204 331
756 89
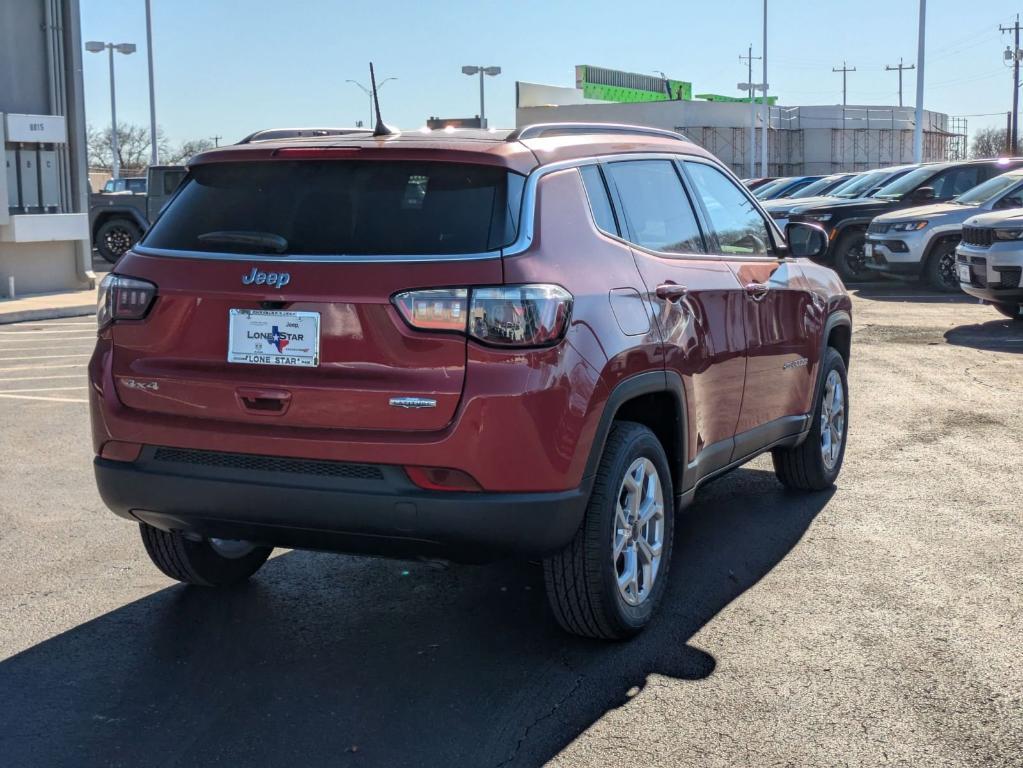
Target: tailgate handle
268 401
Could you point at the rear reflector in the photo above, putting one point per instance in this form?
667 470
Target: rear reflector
442 479
115 450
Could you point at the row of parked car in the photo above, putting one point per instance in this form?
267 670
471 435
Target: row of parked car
955 225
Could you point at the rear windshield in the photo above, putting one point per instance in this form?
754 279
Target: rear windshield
342 207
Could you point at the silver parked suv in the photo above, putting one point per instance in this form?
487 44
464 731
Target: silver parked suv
921 242
989 261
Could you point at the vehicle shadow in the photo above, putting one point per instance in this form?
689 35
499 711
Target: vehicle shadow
1001 335
336 660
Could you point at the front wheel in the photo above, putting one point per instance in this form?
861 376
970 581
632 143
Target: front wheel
851 257
815 463
1011 311
608 582
941 267
205 563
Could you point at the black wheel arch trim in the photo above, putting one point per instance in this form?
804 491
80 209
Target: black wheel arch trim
647 383
835 320
102 217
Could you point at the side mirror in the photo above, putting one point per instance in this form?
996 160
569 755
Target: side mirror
806 241
923 193
1009 202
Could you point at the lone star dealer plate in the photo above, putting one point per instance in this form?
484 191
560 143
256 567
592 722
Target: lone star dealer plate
266 337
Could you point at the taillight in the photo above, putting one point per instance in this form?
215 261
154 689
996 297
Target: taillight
435 309
123 298
506 315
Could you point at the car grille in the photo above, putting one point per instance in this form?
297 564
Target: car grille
245 461
878 228
1009 276
978 236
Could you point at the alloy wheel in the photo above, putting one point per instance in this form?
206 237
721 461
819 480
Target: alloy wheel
637 540
832 419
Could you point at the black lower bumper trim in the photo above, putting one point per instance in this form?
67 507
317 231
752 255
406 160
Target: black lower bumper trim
383 516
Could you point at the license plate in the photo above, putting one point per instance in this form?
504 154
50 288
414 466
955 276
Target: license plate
964 273
266 337
868 251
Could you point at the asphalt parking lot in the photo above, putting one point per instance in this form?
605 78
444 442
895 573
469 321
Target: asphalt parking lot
875 624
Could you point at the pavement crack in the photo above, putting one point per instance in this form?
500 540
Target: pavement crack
539 719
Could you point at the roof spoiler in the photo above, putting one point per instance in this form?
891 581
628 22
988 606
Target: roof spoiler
273 134
541 130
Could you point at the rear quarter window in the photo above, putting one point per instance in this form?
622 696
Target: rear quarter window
342 207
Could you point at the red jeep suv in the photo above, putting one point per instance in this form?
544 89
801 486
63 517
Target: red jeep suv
466 345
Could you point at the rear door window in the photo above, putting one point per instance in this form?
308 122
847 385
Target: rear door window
739 227
342 208
955 181
657 209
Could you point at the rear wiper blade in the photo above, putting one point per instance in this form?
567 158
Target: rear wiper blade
269 240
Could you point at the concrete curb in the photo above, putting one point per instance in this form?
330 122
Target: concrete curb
46 313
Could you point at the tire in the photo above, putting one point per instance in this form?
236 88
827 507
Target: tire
804 467
199 562
582 580
115 237
1011 311
849 257
941 267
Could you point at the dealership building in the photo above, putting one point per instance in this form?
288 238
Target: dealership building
44 198
801 139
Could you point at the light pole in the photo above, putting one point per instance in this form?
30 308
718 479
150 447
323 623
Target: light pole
766 108
481 71
369 92
918 128
94 46
154 153
752 88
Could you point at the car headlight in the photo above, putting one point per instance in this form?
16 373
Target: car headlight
817 216
1009 234
909 226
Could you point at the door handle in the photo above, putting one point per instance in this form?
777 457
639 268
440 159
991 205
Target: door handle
757 291
670 291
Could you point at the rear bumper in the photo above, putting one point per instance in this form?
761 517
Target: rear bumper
358 508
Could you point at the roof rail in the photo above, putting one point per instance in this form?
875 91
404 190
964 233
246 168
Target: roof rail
540 130
272 134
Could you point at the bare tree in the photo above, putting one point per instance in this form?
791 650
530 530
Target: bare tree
989 142
187 149
132 147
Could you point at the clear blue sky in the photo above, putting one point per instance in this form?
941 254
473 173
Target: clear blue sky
227 67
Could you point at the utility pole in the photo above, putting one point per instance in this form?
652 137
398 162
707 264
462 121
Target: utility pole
900 69
765 106
843 70
749 58
154 150
1014 55
216 140
918 127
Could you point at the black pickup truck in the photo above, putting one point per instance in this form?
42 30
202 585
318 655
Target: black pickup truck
846 221
118 219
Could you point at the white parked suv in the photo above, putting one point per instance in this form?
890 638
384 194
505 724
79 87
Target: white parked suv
921 242
989 260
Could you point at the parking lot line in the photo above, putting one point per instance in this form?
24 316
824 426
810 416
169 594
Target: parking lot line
48 346
39 397
40 389
9 369
43 357
40 378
